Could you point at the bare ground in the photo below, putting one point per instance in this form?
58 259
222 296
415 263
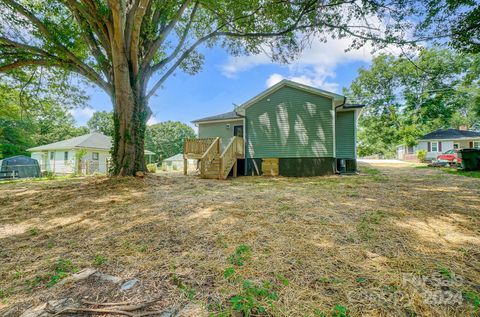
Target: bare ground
393 241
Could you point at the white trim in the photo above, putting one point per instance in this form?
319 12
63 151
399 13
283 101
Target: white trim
219 121
289 83
478 144
450 139
334 132
436 146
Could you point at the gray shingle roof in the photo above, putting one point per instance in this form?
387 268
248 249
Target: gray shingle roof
450 134
177 157
93 140
222 116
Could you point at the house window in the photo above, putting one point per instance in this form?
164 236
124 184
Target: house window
434 146
476 144
52 155
456 146
95 156
65 156
410 150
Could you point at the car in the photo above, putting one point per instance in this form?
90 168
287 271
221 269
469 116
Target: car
450 156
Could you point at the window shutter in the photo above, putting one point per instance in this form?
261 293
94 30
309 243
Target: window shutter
439 146
471 144
429 146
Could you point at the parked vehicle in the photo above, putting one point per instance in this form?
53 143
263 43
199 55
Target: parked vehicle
450 156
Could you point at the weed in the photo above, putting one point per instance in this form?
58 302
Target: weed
472 298
340 311
3 293
187 290
254 298
99 260
63 268
142 248
242 253
445 273
34 231
282 279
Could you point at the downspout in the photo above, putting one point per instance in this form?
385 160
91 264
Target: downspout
335 127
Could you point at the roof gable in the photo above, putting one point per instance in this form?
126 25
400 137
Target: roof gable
292 84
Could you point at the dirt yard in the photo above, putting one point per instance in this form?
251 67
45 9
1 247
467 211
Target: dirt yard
393 241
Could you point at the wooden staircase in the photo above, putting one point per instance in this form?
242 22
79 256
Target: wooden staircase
214 163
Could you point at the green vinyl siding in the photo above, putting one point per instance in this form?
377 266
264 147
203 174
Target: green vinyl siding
218 129
345 134
290 123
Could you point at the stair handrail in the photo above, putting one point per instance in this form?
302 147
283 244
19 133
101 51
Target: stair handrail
209 155
228 157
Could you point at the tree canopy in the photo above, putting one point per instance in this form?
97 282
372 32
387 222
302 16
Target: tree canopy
166 138
101 121
408 98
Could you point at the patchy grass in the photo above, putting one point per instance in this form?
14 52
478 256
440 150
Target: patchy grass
374 244
453 171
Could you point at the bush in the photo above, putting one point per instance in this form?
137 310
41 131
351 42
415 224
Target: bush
48 175
422 155
152 168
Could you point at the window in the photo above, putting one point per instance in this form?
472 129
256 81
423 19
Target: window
95 156
52 155
410 150
434 146
65 156
476 144
456 146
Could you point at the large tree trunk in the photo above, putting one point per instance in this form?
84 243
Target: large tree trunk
130 117
131 113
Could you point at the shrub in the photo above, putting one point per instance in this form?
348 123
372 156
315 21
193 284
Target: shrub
422 155
48 175
152 168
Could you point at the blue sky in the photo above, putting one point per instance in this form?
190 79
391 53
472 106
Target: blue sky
225 80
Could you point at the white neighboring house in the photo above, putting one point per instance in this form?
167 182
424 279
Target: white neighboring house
60 157
175 163
440 141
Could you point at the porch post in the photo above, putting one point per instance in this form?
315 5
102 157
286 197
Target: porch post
185 166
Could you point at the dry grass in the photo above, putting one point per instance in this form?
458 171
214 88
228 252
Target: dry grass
319 242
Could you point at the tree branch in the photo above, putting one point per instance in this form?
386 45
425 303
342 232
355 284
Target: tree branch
153 48
82 67
135 34
180 44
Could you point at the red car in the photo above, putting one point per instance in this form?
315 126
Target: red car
450 156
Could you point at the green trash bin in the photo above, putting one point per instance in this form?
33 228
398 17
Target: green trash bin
470 159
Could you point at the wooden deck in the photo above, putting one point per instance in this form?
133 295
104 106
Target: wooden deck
214 163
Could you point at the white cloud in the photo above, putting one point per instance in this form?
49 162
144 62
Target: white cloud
152 120
316 65
81 115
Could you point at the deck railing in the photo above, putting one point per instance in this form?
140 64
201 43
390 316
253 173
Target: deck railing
229 156
196 146
207 158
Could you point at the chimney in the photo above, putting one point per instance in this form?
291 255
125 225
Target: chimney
463 128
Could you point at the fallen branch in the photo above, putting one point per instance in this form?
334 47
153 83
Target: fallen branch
106 311
124 306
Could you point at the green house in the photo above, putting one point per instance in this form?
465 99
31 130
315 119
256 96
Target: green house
290 129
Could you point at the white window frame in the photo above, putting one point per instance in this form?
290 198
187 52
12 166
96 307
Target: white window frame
52 156
436 146
66 156
476 144
95 156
